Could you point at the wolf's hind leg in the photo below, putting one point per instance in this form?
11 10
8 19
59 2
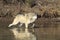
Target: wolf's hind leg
10 25
16 21
20 24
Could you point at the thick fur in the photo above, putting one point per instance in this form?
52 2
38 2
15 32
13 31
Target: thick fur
26 19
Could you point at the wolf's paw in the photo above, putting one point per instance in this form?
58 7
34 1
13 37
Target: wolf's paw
10 25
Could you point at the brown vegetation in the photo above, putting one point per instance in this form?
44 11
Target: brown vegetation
45 8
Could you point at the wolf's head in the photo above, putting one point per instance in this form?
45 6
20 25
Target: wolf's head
32 17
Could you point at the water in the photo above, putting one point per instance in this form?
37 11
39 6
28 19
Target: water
45 29
23 35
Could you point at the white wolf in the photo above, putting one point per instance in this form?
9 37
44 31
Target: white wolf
26 19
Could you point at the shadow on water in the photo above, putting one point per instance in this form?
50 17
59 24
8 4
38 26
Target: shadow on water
23 34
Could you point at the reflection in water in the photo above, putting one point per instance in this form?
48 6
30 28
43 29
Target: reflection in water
49 29
23 35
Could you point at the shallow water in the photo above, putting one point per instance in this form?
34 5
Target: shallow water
19 34
47 29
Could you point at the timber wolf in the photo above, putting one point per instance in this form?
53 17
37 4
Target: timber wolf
24 19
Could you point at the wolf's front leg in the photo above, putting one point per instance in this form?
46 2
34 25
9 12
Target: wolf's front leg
26 25
33 25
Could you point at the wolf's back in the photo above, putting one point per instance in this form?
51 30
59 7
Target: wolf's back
21 18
